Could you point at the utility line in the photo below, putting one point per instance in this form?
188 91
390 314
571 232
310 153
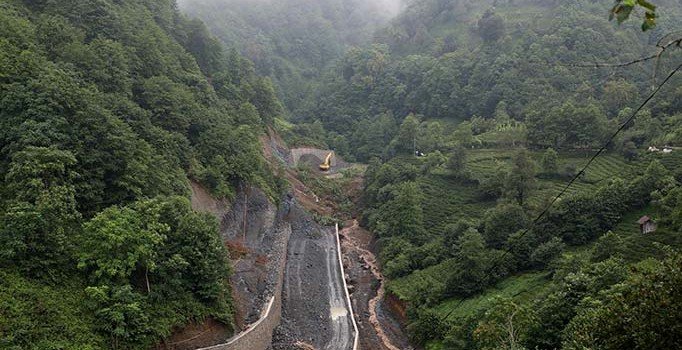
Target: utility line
662 47
570 183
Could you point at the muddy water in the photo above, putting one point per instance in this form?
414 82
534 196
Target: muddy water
377 327
337 312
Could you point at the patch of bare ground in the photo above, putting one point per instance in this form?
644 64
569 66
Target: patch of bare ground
304 346
203 201
377 328
196 335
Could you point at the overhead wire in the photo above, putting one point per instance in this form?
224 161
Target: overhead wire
492 268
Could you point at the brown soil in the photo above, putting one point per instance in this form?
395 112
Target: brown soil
194 336
377 330
203 201
277 155
397 307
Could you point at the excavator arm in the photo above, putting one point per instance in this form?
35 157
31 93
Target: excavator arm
327 162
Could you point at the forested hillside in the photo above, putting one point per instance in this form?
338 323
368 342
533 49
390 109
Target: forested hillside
472 116
504 103
512 69
293 41
107 109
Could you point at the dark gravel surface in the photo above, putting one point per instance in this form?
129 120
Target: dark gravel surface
313 311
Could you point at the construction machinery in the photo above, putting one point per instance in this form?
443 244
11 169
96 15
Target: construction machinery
327 162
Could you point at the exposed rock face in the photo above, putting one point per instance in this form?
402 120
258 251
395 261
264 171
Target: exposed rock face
285 265
256 234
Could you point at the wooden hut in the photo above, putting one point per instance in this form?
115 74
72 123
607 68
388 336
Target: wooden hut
646 224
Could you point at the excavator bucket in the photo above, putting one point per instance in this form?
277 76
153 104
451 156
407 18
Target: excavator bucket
327 162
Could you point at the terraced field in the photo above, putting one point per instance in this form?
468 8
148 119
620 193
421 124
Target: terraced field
672 161
523 289
637 246
485 162
447 200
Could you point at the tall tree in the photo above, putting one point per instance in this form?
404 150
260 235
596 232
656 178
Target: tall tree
457 160
491 26
642 312
501 221
120 242
38 226
521 179
471 263
504 325
402 215
550 161
607 246
405 141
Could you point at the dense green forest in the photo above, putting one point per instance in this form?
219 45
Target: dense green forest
503 104
292 41
107 108
505 70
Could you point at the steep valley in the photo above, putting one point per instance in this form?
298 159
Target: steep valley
340 174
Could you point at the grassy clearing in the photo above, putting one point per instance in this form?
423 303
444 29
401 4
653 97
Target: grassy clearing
522 288
485 162
672 161
446 200
638 246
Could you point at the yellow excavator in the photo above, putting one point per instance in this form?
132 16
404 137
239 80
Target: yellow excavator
327 162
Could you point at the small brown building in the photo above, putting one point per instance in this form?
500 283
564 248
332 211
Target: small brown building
646 224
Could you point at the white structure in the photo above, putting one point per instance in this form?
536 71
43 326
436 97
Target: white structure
646 224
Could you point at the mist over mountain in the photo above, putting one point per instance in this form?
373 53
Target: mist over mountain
411 174
292 41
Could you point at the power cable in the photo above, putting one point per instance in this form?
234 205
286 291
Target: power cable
570 183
